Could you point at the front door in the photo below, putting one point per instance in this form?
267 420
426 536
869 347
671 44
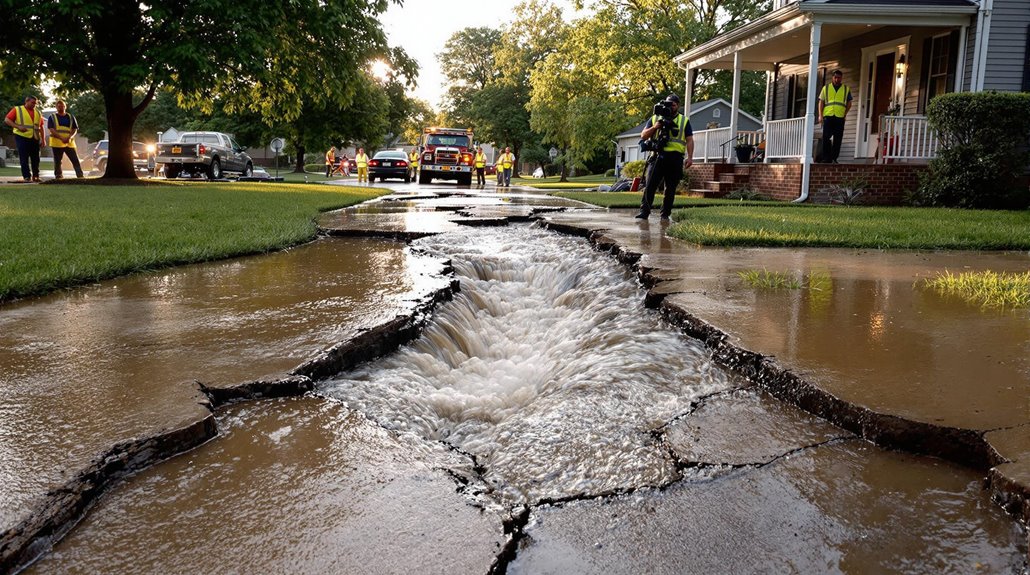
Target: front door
880 90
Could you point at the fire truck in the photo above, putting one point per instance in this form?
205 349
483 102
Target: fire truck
446 155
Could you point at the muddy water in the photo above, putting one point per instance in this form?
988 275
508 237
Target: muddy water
292 486
866 329
84 369
548 371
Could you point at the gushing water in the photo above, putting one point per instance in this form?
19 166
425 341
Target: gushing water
546 367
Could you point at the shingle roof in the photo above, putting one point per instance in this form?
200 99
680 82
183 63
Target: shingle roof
904 2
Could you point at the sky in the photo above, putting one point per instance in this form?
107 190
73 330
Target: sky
422 27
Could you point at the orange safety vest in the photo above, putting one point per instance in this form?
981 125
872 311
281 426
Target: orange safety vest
28 118
480 160
361 160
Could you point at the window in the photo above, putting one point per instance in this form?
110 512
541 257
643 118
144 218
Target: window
716 113
799 96
940 60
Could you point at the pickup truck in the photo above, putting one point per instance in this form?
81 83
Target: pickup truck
209 153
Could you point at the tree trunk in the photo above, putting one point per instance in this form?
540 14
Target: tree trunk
517 150
299 167
121 116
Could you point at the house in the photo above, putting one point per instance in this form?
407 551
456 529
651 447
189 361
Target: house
707 114
896 55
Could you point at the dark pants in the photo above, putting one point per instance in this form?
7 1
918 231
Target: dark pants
73 158
328 170
833 129
480 176
668 168
28 151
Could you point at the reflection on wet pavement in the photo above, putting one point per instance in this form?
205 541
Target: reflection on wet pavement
291 486
85 369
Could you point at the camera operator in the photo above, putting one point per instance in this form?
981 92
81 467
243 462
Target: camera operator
667 160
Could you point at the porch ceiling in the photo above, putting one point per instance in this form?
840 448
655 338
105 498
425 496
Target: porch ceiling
783 34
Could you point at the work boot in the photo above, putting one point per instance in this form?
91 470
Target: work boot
642 215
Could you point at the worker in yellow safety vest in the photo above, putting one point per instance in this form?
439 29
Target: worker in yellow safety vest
361 159
834 105
27 123
330 161
506 162
413 163
63 127
480 163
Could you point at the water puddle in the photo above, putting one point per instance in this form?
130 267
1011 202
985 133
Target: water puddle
82 370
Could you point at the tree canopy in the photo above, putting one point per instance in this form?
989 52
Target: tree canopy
271 58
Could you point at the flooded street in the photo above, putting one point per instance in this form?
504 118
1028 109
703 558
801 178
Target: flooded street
545 421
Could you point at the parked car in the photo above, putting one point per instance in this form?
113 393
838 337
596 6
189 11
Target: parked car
208 153
140 156
389 164
491 169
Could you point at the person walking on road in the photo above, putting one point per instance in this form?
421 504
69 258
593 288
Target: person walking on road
480 164
330 161
63 127
507 162
27 123
413 164
362 162
834 105
670 161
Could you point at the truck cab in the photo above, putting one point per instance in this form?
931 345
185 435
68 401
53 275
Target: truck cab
446 154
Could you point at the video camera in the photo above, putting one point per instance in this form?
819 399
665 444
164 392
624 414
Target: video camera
666 116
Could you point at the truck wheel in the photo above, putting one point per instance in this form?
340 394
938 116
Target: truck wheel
424 179
465 180
407 179
172 172
214 171
248 171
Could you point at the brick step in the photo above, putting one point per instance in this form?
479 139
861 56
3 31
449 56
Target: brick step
696 193
735 178
742 169
725 187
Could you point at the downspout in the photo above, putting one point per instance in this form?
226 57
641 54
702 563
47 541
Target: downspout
984 43
980 45
813 69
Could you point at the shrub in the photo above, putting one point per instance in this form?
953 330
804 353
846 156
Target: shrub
746 192
847 191
634 169
983 154
609 173
316 168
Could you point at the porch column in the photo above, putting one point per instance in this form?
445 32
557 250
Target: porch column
813 71
735 104
960 74
770 85
688 90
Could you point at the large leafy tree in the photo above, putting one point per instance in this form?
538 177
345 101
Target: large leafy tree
468 63
273 57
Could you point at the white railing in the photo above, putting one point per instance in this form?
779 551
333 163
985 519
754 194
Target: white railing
785 138
708 145
906 138
716 145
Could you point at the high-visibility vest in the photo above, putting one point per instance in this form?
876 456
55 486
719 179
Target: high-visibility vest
835 100
507 160
361 160
330 158
413 159
678 139
25 118
56 142
480 160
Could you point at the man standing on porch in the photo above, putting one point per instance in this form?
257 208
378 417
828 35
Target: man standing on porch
834 105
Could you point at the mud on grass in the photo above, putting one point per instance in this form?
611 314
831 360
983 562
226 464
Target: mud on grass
62 235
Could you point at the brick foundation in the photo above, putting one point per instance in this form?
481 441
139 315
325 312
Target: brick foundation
887 184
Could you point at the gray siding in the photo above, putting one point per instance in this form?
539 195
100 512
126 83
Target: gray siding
1006 51
700 120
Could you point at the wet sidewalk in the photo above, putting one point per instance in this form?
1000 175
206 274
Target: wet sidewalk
863 344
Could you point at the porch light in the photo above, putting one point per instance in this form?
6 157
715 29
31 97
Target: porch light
901 67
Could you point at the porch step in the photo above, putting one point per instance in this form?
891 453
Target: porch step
735 178
721 186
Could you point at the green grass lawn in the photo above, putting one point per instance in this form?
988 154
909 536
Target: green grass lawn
632 200
835 226
553 183
62 235
11 169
